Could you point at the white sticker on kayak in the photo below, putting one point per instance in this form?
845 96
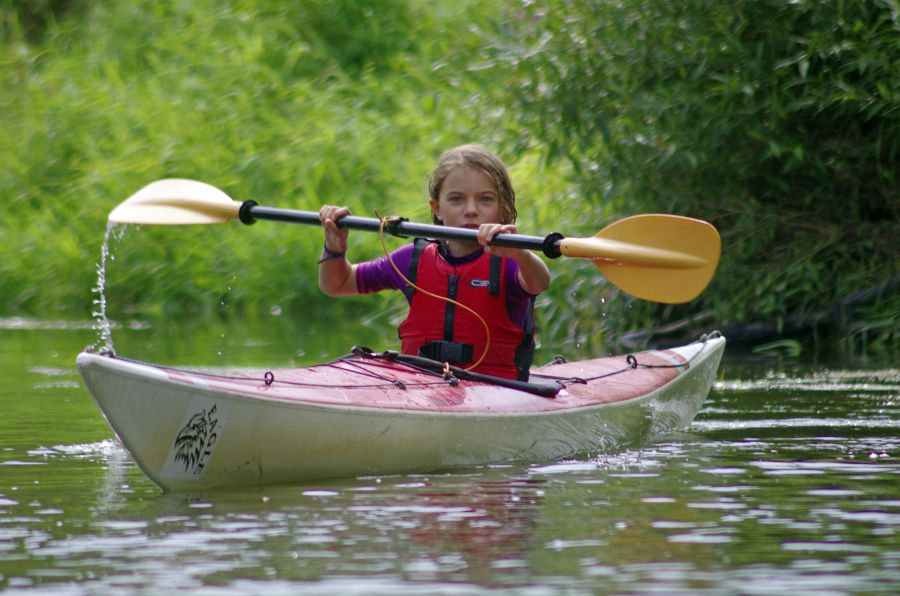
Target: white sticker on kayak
193 445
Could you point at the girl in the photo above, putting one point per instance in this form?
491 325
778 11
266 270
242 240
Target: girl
469 188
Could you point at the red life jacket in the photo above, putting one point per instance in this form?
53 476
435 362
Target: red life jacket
439 330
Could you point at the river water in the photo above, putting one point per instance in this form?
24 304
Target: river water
787 482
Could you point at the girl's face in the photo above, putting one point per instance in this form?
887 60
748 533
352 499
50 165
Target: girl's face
468 198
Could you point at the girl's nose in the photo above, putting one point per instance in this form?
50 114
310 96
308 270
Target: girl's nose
471 206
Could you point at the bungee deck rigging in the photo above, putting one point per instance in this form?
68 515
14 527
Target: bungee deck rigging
365 362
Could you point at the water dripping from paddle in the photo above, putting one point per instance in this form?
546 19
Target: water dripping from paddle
102 324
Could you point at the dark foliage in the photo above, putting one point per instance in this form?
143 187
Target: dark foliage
777 121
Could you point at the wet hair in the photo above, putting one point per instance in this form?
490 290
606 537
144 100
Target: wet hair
479 158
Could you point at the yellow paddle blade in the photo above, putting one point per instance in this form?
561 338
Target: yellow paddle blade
176 201
663 258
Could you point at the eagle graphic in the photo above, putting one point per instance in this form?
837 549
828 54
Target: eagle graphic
191 440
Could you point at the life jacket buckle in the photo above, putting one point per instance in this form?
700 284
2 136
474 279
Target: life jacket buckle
447 351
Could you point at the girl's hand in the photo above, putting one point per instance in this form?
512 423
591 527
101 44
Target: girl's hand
534 277
486 233
335 237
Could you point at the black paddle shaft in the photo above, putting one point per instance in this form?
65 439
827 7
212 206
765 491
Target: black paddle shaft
250 212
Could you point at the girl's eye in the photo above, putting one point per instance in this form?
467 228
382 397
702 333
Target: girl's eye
488 199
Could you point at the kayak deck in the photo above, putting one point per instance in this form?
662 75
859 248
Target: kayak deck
379 382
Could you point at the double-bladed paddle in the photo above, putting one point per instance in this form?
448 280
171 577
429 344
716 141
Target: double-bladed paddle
661 258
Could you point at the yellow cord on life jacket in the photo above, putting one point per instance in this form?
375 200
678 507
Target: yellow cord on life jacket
487 330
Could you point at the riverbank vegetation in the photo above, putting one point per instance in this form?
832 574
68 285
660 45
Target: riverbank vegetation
778 122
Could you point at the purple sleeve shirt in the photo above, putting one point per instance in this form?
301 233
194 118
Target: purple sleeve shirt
379 274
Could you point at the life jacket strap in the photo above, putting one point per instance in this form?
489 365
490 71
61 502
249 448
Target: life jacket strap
447 351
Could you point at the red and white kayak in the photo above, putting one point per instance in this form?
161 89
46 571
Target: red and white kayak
369 414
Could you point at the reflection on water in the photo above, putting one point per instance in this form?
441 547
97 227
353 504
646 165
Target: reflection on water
786 483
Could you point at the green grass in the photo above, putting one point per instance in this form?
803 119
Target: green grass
248 96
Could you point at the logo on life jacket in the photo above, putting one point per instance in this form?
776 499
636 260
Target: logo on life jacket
479 283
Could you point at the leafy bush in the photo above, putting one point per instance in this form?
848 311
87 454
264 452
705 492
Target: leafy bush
293 104
777 121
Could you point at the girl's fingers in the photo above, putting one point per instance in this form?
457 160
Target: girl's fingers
330 212
486 232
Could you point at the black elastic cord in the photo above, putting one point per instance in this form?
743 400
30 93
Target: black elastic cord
632 363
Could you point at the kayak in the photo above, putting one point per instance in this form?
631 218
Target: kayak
384 413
